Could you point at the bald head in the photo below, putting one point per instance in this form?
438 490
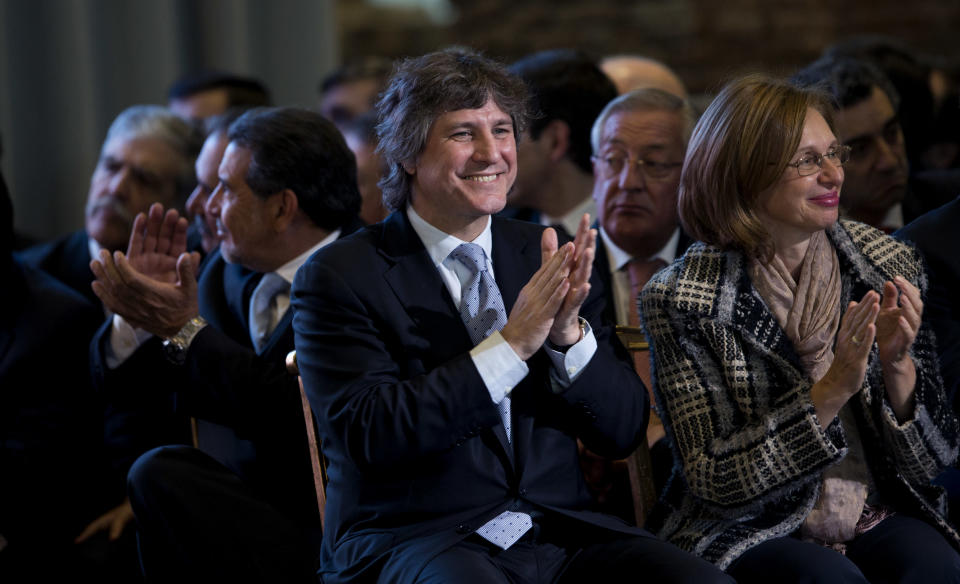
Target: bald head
630 72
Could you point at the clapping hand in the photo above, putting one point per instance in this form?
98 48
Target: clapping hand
898 322
154 286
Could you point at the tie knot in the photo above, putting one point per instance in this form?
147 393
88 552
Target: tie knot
470 255
640 271
270 285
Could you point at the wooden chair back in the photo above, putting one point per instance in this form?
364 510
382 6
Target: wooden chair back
639 465
316 455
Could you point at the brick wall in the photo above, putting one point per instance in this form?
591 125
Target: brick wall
705 41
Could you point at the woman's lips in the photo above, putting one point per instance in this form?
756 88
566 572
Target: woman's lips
831 199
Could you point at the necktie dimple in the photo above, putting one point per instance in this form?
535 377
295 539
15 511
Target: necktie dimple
482 311
263 307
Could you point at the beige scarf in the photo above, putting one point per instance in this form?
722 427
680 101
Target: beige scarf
809 311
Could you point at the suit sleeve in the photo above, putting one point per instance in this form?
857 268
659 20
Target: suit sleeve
350 362
230 384
384 407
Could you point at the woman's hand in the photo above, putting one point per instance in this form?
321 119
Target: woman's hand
898 323
845 376
897 326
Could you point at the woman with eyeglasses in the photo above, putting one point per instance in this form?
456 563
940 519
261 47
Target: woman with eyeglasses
794 373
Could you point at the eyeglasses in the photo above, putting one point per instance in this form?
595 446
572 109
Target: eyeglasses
812 162
611 166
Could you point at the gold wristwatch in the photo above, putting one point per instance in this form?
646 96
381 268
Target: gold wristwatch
175 348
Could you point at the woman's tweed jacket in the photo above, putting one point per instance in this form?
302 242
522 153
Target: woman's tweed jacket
748 449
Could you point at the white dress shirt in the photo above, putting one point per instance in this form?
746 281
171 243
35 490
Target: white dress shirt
623 298
499 366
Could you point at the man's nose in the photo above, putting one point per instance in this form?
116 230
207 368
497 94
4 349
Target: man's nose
486 148
632 177
212 206
196 203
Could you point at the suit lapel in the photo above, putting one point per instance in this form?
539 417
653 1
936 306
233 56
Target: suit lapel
418 287
224 294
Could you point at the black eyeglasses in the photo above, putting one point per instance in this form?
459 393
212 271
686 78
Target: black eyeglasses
611 166
812 162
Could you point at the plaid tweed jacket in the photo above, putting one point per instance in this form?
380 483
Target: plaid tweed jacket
748 448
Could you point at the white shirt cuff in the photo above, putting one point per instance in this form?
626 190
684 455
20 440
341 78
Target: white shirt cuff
124 341
499 366
568 366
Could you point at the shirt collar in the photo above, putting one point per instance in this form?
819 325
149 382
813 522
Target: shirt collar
288 270
571 221
619 258
94 246
439 244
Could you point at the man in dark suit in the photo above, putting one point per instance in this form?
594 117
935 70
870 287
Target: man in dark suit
147 157
638 143
51 430
453 360
240 508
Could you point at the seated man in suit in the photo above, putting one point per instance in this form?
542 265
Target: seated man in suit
146 158
51 430
638 143
450 428
239 508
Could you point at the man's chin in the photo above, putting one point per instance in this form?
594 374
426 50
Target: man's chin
112 235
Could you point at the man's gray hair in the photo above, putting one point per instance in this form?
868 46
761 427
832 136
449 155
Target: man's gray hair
642 100
154 121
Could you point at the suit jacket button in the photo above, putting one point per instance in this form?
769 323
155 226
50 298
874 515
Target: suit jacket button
463 528
523 492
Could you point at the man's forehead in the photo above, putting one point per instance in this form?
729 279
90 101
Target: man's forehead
868 116
141 150
236 158
490 110
642 128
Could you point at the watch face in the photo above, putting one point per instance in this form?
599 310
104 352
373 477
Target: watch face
174 351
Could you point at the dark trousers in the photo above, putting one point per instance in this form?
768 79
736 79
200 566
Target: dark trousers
198 521
901 550
571 556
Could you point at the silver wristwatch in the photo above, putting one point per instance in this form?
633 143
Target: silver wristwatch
175 348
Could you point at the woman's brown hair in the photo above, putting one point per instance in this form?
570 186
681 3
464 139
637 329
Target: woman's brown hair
739 148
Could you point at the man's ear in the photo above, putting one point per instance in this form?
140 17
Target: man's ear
557 136
283 209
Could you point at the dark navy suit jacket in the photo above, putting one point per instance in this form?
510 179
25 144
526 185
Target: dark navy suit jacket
247 404
418 457
66 259
936 235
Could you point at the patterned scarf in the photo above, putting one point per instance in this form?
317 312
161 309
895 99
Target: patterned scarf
809 311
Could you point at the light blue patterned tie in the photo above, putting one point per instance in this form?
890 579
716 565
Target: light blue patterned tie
482 310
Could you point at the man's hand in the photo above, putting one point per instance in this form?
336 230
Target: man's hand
536 307
566 325
156 242
152 289
113 522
